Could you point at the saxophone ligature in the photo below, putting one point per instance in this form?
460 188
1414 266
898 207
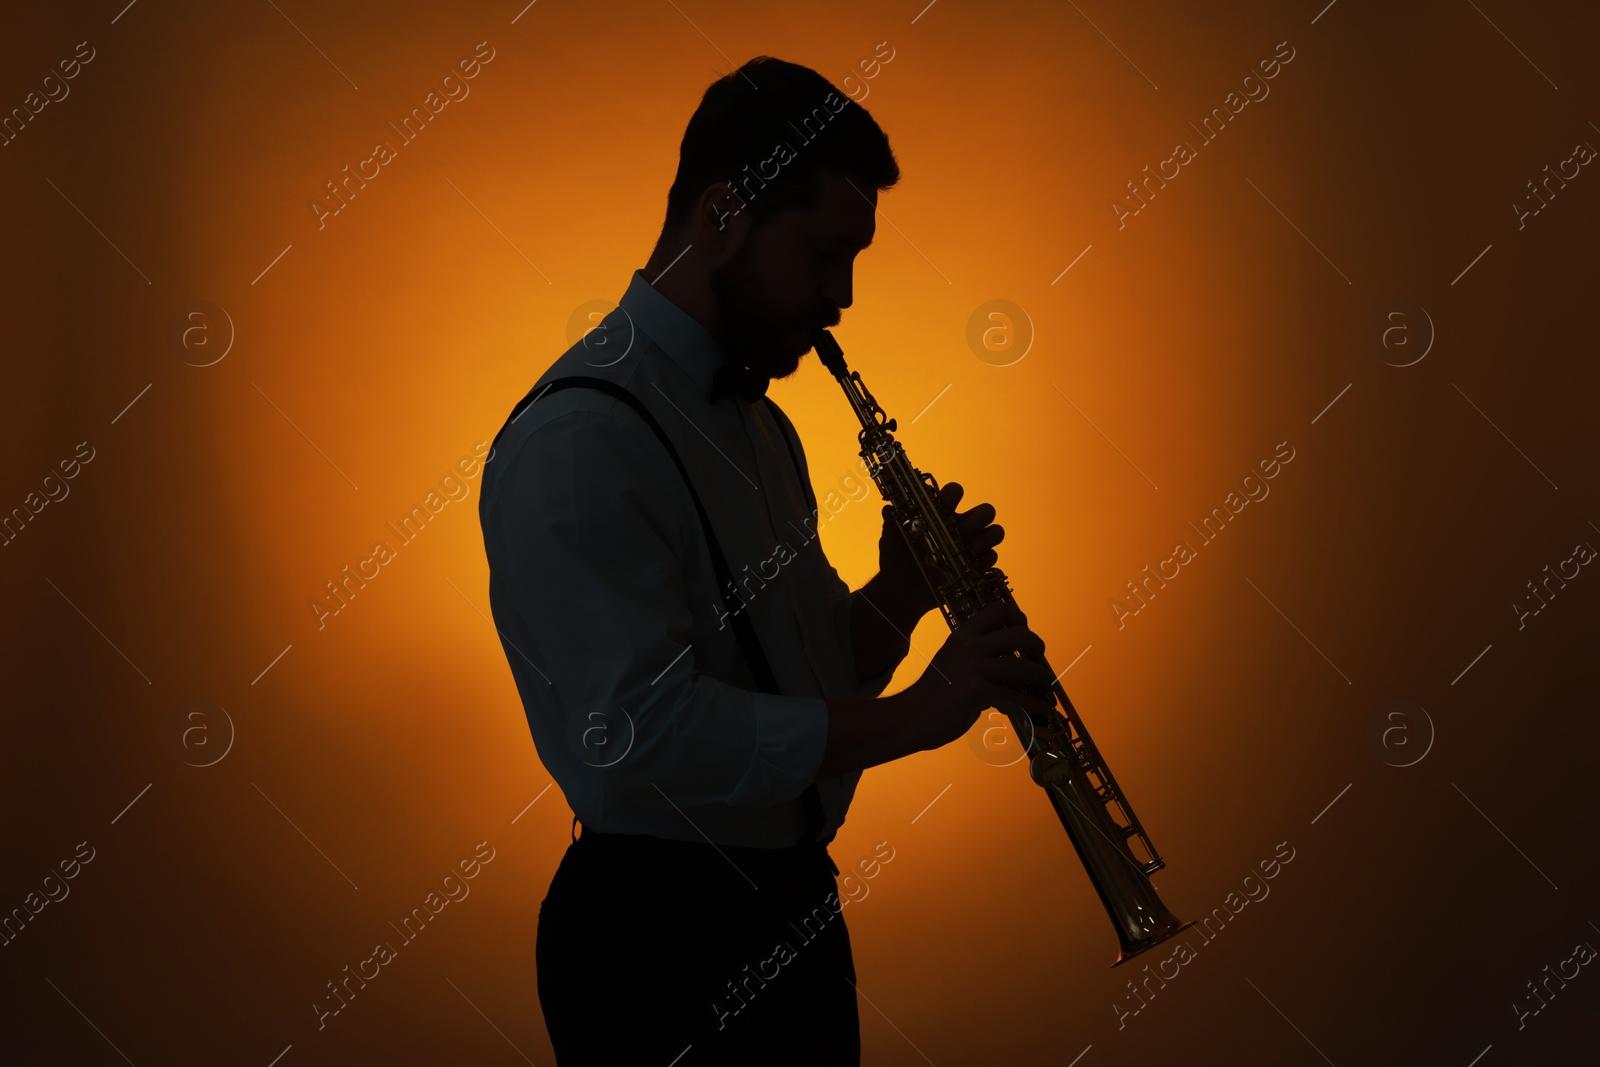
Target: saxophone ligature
1062 758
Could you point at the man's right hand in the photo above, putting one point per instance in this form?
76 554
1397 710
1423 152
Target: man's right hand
969 674
977 669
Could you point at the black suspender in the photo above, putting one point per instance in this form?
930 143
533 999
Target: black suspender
744 630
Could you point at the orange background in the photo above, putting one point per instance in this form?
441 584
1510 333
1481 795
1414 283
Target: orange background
1197 337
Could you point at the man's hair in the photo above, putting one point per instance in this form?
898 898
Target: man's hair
746 119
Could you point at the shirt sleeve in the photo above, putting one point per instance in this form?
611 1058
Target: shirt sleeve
586 546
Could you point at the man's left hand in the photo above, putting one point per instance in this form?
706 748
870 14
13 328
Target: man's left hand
899 569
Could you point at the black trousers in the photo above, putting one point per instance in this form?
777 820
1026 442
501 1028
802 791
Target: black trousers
678 953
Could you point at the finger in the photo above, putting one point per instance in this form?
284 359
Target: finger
1036 671
1002 699
1007 639
978 516
985 537
949 495
980 544
1012 636
1011 669
993 616
1032 645
982 557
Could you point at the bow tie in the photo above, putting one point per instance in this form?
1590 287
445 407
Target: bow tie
747 384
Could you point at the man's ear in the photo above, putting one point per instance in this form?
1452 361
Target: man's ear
722 221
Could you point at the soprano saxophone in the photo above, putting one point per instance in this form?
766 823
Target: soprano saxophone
1062 759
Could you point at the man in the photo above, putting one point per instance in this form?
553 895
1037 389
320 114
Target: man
709 734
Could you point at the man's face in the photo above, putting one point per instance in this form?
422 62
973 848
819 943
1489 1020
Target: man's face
792 275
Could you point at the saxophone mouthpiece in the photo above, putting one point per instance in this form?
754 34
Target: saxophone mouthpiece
829 352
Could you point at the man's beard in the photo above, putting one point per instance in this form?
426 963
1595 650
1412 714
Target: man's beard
747 337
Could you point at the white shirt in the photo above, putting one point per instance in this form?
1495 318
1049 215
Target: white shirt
601 584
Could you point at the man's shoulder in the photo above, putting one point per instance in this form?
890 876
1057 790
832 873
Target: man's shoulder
545 413
575 437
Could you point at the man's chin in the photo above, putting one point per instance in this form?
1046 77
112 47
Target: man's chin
806 334
790 362
782 358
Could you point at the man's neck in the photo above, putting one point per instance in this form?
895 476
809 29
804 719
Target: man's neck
677 275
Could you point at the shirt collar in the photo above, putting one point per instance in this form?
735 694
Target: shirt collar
677 333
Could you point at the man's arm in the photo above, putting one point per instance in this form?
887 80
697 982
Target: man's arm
864 729
583 554
881 620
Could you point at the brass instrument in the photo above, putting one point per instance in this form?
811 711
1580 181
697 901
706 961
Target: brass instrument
1063 759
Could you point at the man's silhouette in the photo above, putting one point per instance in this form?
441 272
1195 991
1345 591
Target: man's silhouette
697 678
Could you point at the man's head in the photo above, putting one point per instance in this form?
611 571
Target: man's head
777 184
